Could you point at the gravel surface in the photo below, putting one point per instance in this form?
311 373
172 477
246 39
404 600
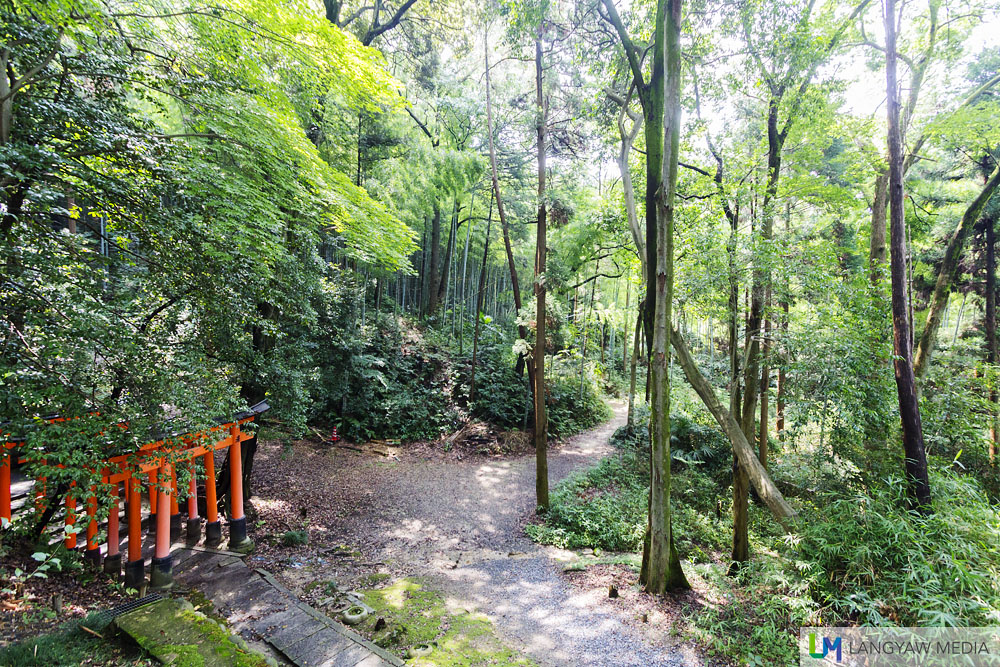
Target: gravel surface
534 609
459 524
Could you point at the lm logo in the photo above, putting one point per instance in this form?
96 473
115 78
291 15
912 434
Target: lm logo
828 646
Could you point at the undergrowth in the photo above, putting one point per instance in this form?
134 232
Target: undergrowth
859 557
70 645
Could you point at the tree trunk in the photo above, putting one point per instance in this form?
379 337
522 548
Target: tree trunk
664 571
742 449
628 294
876 248
765 383
541 424
434 261
480 295
630 420
465 278
448 252
913 437
991 332
522 331
586 318
779 426
948 274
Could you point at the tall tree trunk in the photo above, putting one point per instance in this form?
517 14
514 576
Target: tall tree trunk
876 248
991 332
433 276
779 427
480 295
751 375
630 419
586 318
909 412
664 568
876 252
465 277
522 331
448 252
765 383
628 294
948 274
541 423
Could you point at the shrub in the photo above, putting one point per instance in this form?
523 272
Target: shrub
502 396
604 507
570 410
873 561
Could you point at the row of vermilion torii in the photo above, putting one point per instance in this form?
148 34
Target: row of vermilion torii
157 464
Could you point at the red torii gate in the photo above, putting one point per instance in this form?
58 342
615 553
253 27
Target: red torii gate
151 460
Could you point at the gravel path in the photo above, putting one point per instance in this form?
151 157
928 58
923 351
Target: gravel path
459 524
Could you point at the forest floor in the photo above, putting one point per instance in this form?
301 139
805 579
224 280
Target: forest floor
456 526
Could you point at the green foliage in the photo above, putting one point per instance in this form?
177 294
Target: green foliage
502 398
568 409
872 561
295 538
70 646
379 381
604 507
760 621
205 217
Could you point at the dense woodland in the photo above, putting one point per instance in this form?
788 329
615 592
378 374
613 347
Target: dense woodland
769 227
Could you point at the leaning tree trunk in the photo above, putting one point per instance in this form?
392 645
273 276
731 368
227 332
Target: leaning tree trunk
906 388
948 274
742 448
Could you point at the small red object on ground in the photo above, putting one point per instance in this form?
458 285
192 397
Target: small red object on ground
334 437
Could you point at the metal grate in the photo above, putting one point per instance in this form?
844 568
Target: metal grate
132 605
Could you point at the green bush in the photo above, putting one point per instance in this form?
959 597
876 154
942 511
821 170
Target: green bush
502 396
872 561
570 410
378 383
604 507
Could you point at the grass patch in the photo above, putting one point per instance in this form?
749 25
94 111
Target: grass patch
414 615
71 646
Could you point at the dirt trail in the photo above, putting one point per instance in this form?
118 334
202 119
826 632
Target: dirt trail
460 525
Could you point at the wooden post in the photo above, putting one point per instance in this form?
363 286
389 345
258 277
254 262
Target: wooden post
238 540
135 573
70 540
5 514
213 527
152 490
175 509
193 521
161 569
93 552
113 559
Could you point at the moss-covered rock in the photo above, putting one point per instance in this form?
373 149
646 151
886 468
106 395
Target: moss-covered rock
413 615
175 634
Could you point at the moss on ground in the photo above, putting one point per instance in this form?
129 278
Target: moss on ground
581 563
416 615
374 579
184 637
